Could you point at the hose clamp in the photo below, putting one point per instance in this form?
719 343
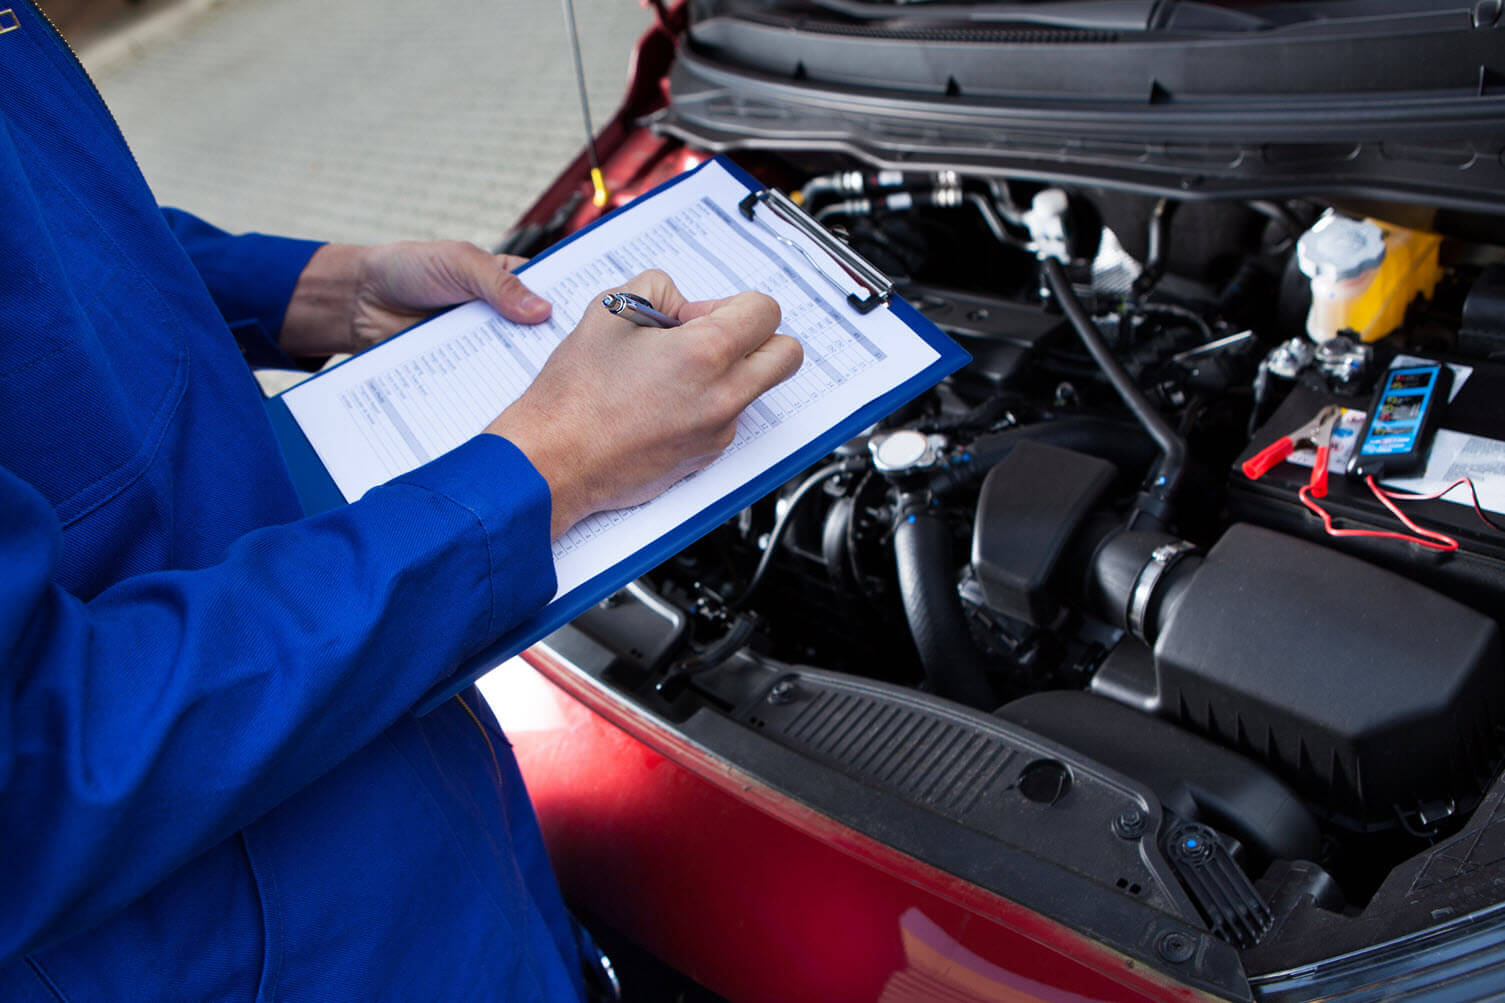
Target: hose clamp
1162 559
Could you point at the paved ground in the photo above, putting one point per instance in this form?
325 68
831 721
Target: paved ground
360 120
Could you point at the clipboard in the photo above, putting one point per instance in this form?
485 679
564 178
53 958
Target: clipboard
864 290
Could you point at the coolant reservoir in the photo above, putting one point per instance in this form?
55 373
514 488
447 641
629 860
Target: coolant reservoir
1364 274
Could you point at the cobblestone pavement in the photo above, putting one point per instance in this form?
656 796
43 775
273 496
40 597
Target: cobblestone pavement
362 120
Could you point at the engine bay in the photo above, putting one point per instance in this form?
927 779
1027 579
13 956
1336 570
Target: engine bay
1304 692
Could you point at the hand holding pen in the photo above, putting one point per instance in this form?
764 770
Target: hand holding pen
636 309
618 413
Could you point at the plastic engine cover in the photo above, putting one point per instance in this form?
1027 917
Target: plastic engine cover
1366 690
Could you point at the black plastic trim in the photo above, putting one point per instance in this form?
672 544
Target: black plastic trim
942 783
1444 151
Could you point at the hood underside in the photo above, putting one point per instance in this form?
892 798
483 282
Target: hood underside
1395 105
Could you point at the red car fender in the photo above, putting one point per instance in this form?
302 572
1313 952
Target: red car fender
756 895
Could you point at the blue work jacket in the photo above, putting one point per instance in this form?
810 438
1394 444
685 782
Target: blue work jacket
210 784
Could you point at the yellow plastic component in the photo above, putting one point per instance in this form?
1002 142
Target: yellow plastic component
1410 267
599 183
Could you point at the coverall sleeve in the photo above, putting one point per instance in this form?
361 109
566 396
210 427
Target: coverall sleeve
250 276
142 727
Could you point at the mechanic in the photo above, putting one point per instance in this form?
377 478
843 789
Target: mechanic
210 784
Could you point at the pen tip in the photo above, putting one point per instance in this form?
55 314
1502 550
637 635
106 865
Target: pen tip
599 183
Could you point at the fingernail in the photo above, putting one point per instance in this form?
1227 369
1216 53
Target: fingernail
535 305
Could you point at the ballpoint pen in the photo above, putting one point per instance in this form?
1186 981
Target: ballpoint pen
636 309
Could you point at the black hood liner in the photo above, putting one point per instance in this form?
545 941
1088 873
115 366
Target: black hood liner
1381 103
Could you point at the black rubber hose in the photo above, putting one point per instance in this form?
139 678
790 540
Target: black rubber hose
714 654
1281 215
927 586
1166 476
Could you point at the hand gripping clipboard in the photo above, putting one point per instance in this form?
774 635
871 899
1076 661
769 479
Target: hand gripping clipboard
773 237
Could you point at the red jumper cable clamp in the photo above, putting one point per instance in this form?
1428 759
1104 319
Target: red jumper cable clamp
1318 432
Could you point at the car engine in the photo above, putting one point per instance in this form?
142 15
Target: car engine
1062 535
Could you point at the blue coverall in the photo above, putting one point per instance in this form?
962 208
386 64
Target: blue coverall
210 787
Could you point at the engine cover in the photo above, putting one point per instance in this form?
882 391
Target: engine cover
1366 690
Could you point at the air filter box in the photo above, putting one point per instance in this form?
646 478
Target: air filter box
1031 505
1365 689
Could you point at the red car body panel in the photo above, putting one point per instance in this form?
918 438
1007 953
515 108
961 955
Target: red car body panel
756 895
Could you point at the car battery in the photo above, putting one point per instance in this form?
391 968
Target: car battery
1475 572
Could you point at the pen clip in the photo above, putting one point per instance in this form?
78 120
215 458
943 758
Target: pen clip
879 287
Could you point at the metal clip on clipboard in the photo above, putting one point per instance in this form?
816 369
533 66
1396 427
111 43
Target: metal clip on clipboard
878 286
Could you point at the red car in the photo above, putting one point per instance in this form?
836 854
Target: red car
1077 682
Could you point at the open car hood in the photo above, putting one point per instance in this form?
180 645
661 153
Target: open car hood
1373 99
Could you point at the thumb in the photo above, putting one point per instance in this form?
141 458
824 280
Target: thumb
487 276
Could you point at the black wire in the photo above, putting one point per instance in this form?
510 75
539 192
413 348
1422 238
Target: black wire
1180 313
1438 496
854 565
785 519
1166 476
1156 248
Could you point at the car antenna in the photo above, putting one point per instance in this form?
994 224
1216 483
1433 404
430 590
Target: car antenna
598 180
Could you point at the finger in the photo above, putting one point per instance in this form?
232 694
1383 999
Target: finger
699 308
658 289
486 277
739 324
511 262
766 366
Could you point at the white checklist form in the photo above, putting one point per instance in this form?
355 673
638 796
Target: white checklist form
418 395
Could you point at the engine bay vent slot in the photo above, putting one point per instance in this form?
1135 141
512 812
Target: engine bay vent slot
944 765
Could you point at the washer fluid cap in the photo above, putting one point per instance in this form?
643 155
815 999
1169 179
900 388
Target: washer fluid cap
1338 248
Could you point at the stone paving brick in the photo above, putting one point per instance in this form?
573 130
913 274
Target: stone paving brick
366 120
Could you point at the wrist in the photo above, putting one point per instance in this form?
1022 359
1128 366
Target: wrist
319 314
570 497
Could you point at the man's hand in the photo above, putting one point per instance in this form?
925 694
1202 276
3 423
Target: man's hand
620 412
349 297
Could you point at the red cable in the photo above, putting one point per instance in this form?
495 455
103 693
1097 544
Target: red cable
1386 501
1426 538
1472 490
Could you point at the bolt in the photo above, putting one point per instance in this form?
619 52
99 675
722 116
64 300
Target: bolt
1130 823
783 692
1176 947
1194 845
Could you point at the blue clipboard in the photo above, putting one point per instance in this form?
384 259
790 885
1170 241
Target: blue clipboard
317 491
